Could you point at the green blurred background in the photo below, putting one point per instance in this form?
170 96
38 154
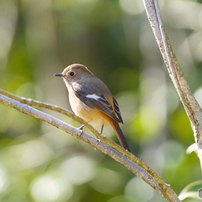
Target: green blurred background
39 38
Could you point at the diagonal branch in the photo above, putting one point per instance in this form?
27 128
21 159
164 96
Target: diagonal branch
55 108
189 102
108 147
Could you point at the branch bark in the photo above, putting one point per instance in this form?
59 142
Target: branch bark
191 106
108 147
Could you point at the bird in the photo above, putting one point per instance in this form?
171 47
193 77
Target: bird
91 100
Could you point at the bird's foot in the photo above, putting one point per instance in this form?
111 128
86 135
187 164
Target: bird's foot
81 130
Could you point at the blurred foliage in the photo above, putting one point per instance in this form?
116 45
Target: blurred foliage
114 40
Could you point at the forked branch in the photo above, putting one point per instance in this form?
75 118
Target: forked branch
108 147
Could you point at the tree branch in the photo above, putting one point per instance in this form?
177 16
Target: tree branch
189 102
122 156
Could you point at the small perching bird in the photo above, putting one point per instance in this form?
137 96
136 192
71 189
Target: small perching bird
91 99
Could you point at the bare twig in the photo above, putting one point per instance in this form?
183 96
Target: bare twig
190 104
118 153
55 108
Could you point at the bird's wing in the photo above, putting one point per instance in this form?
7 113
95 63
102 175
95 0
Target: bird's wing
92 99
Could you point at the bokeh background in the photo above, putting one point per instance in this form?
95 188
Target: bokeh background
39 38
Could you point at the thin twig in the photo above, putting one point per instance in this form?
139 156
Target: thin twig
131 162
55 108
189 102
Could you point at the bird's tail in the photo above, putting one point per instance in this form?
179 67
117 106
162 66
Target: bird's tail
120 135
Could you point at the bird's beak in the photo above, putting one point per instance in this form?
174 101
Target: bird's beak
61 75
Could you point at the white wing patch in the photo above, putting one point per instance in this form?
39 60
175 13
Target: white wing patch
92 96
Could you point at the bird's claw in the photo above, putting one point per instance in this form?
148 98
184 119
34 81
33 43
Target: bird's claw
81 130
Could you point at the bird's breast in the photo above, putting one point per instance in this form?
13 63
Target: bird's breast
91 115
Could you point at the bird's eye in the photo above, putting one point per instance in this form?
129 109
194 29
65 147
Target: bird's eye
71 73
